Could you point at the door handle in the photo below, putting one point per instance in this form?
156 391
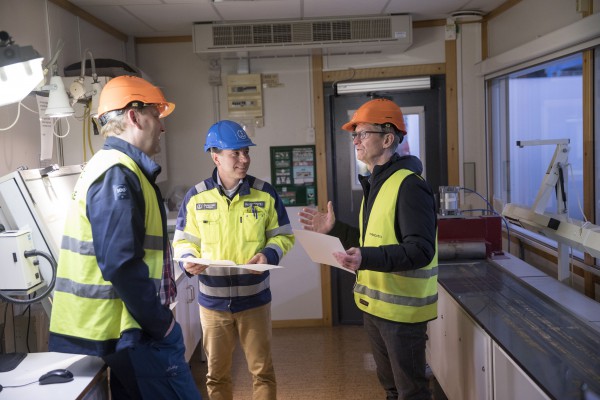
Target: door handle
190 290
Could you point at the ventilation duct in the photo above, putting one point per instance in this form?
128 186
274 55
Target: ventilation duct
298 37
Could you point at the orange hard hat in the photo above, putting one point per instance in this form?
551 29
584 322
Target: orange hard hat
124 89
378 111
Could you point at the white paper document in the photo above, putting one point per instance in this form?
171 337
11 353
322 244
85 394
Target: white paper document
205 261
320 247
228 264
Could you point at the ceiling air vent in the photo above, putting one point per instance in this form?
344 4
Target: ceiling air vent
303 34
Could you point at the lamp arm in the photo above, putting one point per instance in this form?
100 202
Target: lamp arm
94 75
59 46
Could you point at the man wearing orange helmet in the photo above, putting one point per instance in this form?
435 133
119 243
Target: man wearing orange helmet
394 251
115 277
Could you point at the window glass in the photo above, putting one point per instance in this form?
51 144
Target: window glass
544 102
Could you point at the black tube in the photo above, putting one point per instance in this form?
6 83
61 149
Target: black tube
31 253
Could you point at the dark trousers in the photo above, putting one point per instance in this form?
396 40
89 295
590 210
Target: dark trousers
399 352
152 370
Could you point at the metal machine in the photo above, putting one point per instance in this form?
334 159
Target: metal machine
18 273
568 232
466 237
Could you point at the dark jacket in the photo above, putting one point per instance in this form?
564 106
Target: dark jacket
415 220
118 233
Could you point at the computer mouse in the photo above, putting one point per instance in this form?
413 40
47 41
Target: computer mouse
56 376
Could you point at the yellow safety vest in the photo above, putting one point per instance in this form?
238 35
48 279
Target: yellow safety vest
404 296
85 305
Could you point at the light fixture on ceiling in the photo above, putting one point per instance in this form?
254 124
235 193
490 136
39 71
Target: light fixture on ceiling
384 85
20 70
467 16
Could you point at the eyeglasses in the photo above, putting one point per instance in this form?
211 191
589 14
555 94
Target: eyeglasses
362 135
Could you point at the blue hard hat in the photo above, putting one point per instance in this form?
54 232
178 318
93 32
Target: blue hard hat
227 135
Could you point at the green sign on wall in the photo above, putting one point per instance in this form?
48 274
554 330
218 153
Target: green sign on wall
293 174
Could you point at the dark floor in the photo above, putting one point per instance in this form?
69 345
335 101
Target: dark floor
311 364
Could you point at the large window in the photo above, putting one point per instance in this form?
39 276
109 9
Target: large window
544 102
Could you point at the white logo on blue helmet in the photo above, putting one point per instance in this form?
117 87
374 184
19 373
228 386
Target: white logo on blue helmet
241 134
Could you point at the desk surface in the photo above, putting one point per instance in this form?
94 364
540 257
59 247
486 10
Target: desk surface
85 369
559 350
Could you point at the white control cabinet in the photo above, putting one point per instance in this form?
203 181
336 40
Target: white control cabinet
459 352
510 382
468 364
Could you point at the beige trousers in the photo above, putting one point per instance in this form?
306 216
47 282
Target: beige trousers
220 330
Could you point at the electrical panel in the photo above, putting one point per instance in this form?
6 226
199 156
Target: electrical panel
244 97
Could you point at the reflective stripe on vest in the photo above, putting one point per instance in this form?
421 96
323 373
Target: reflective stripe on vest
405 296
85 305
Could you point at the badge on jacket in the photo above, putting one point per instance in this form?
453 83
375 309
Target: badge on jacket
121 192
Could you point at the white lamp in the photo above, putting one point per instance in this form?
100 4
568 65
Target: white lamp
58 101
20 70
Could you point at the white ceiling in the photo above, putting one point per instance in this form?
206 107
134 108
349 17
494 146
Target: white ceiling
148 18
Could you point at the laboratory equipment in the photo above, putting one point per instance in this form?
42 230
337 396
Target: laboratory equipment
449 204
583 236
17 272
36 201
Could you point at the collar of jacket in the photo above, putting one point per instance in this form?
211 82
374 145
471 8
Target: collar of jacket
243 189
148 166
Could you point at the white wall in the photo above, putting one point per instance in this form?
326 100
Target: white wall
471 113
528 20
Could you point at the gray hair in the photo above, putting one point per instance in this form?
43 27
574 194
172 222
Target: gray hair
398 135
117 124
114 126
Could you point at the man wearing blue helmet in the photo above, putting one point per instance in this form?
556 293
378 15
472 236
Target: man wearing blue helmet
233 216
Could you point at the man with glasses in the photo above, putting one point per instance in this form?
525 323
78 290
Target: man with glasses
233 216
394 251
115 275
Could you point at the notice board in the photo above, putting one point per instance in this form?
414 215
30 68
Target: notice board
293 174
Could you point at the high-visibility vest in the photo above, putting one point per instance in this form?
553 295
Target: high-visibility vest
85 305
404 296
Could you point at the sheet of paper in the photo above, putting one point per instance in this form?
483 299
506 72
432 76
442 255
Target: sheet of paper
205 261
228 264
259 267
320 247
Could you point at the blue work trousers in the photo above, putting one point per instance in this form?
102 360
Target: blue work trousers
399 353
153 369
